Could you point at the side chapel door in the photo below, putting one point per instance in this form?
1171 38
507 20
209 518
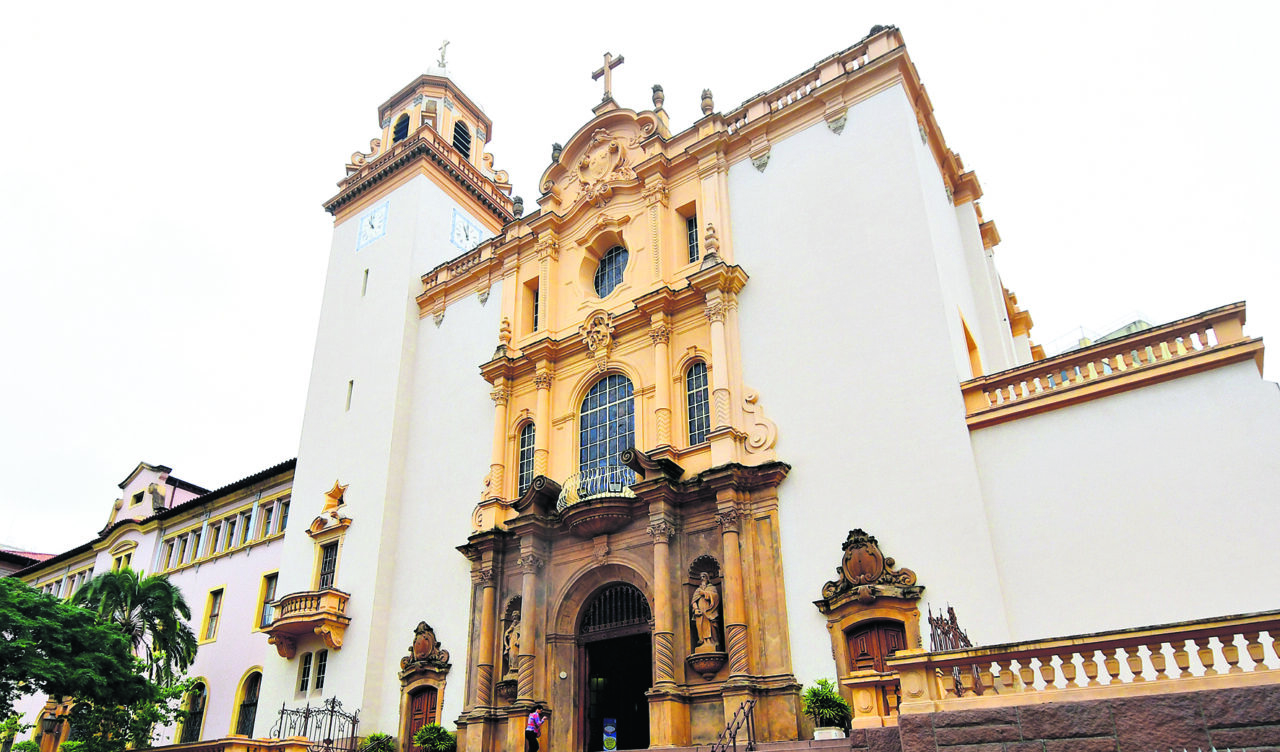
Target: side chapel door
422 712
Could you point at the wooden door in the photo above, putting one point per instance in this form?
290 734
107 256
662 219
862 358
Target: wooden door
422 712
870 644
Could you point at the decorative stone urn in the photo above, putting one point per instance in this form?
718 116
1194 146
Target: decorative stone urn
707 665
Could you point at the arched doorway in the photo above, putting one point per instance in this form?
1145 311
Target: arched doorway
616 666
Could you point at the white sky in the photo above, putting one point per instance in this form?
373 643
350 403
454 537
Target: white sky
164 244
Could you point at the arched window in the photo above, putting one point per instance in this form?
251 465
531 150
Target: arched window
606 424
401 131
524 460
609 272
195 709
462 139
248 711
698 401
615 609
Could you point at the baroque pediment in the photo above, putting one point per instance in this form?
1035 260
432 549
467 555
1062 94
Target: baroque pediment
600 158
866 574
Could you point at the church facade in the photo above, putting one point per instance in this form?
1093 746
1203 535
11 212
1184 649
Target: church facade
607 454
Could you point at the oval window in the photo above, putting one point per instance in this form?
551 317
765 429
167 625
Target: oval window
609 272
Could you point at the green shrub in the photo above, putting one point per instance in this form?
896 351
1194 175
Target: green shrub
436 738
378 742
25 746
824 705
70 746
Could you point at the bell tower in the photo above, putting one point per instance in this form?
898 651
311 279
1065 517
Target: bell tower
390 385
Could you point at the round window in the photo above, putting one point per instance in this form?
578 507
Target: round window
609 272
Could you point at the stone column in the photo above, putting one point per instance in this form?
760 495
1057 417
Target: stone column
488 635
716 311
500 394
529 565
542 421
735 625
664 667
660 334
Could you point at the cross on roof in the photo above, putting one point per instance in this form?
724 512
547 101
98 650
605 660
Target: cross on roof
443 47
607 72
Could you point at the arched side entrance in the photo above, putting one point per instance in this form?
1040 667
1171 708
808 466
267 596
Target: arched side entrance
615 669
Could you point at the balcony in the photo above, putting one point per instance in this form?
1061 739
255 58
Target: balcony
320 612
1208 340
597 500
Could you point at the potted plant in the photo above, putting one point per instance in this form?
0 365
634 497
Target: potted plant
378 742
827 709
436 738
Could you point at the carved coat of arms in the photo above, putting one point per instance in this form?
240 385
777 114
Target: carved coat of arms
597 335
425 649
604 161
866 572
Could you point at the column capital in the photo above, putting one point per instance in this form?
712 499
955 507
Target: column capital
500 395
729 518
542 379
484 576
529 563
716 310
662 531
660 334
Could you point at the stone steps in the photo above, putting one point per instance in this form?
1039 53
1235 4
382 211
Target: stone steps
856 742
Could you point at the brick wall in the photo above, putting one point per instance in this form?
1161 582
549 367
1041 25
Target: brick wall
1244 718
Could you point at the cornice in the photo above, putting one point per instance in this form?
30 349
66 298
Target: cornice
425 145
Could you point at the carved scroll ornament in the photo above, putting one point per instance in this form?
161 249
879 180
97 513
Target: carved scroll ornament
425 651
604 162
866 573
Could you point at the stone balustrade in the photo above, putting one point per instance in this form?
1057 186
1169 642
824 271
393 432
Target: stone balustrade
1186 656
239 743
1189 345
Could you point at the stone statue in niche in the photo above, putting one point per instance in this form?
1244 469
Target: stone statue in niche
511 647
705 608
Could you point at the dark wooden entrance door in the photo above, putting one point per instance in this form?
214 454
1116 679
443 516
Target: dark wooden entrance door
619 671
870 644
422 712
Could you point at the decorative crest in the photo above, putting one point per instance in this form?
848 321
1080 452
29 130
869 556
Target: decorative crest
604 162
597 335
867 574
424 651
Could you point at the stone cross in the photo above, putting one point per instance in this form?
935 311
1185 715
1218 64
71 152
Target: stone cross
440 62
607 72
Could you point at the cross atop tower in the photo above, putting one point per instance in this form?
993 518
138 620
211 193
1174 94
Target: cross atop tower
607 72
443 47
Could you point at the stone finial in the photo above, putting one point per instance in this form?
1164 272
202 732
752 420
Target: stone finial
504 332
712 245
556 150
658 96
517 207
707 103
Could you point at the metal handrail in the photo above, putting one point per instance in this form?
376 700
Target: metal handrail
728 739
597 482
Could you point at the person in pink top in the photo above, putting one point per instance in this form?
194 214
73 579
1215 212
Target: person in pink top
533 729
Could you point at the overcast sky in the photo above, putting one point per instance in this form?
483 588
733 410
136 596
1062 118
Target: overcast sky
165 246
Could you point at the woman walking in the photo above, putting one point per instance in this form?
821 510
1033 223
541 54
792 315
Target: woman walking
533 729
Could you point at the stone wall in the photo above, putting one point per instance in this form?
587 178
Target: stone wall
1239 719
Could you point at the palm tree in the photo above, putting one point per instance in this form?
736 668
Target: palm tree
153 615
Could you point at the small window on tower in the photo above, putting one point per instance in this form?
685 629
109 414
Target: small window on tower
462 139
401 131
691 234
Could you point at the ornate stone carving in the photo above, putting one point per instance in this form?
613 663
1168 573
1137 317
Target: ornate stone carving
866 573
285 645
760 161
661 531
656 193
660 334
600 549
438 318
529 563
547 247
603 163
542 380
762 433
704 609
485 575
597 335
708 103
511 648
331 513
711 243
504 337
483 296
716 311
424 652
837 123
500 395
728 519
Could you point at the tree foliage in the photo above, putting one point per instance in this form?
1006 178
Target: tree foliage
108 727
56 648
151 612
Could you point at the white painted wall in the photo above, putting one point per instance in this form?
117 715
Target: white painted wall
1155 505
846 333
377 340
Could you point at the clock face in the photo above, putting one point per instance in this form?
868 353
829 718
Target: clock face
464 234
373 225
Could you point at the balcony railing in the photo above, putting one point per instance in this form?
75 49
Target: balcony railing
1181 657
1186 346
605 481
322 612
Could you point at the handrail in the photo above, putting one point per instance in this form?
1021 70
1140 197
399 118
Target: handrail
597 482
728 739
